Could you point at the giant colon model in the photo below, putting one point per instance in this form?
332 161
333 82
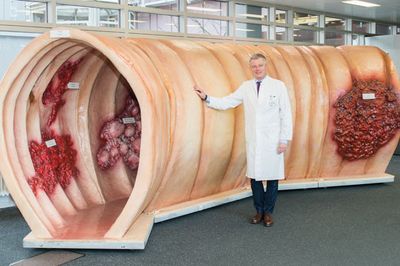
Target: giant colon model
97 132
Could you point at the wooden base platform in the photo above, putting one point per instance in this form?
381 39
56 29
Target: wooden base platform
136 238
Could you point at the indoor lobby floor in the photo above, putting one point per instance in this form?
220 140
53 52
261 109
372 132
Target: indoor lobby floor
358 225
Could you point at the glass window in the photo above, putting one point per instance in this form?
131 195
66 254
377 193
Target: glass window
383 29
29 11
251 12
334 38
109 18
208 7
335 23
250 30
73 15
281 16
301 35
153 22
305 19
360 26
281 34
87 16
207 26
357 39
398 30
139 21
162 4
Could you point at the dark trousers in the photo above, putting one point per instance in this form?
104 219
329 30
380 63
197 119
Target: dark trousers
264 201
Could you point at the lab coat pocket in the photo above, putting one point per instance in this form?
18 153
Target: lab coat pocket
272 101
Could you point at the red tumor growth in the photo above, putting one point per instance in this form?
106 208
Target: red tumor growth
363 126
121 140
53 165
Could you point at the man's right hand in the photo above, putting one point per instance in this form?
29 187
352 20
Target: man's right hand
199 92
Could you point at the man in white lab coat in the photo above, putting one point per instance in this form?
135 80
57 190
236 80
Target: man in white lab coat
268 128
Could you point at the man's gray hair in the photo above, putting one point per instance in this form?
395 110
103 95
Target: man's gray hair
257 56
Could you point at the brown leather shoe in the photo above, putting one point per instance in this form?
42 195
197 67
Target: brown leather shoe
268 220
256 218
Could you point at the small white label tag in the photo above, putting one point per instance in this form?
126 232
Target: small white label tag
128 120
368 96
50 143
73 85
60 34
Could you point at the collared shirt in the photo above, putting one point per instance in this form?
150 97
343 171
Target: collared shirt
260 80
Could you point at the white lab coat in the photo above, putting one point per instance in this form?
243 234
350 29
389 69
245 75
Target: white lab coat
268 120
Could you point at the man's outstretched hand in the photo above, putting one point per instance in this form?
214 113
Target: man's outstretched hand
282 147
199 92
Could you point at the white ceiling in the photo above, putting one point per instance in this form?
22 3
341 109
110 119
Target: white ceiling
389 11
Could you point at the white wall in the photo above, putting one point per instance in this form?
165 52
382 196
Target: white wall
388 43
11 43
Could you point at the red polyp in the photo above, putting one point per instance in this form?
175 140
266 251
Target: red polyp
121 140
109 154
365 125
57 87
53 165
112 129
132 160
136 145
129 131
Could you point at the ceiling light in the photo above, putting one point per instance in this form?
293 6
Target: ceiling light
159 3
203 9
72 22
360 3
251 15
109 22
193 25
328 19
137 21
239 29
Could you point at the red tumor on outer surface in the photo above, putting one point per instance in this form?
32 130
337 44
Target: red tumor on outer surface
363 126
